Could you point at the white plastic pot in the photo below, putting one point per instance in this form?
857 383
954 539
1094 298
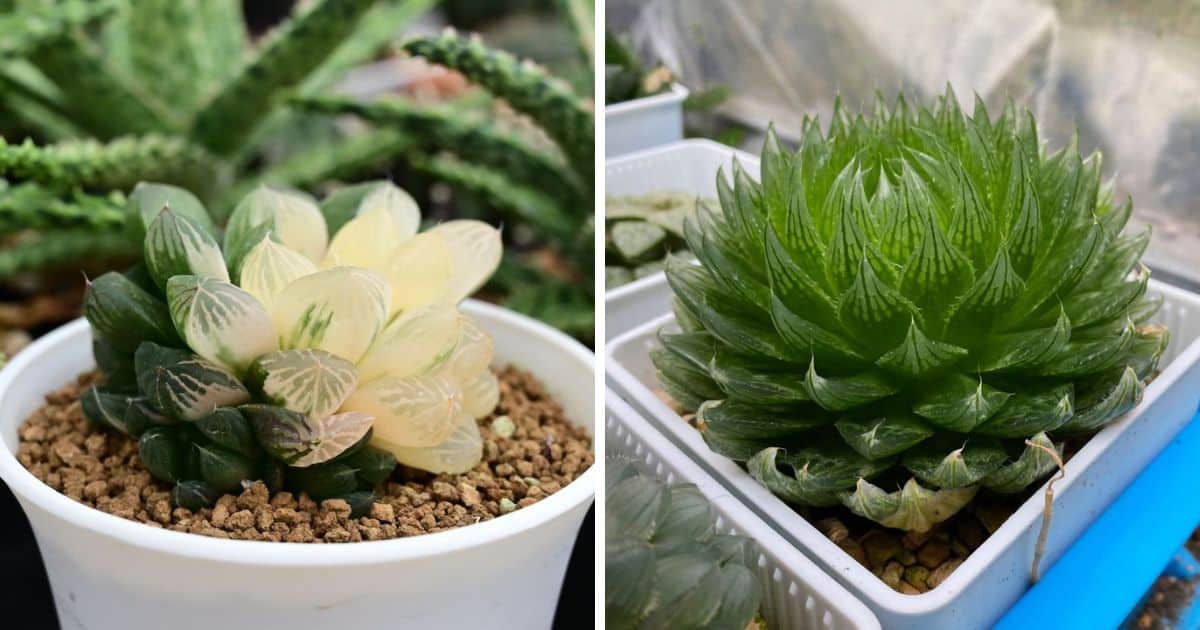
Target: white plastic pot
644 122
110 573
797 594
997 573
688 166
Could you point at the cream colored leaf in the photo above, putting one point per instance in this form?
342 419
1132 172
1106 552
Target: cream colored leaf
474 352
366 241
420 270
220 321
270 267
416 342
339 310
413 411
476 250
293 217
480 394
457 454
406 216
312 382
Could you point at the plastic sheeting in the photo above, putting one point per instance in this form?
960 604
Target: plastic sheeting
1126 74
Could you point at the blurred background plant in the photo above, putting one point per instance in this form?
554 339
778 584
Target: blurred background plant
217 97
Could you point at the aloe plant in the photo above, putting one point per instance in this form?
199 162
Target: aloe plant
122 91
909 308
313 349
665 564
542 178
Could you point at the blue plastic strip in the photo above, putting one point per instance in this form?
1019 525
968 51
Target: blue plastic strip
1101 577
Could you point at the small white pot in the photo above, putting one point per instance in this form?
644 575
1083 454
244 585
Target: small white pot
996 574
644 122
108 572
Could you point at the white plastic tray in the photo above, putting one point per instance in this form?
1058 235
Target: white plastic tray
797 594
686 166
997 573
644 122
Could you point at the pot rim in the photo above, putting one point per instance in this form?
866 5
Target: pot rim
250 552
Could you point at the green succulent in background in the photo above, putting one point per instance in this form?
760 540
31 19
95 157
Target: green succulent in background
641 231
625 77
536 167
121 91
313 349
909 308
665 564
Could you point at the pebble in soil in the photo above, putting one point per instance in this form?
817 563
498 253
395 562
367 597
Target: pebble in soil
537 452
910 562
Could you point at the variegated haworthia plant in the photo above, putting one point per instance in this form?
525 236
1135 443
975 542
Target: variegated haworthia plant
283 354
909 308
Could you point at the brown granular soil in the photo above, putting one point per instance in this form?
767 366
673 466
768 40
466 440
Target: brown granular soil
101 469
1165 602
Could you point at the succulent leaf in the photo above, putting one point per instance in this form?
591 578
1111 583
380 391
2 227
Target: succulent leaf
269 267
303 441
339 310
125 315
911 508
419 341
291 218
220 321
456 454
312 382
177 246
420 271
475 250
148 200
192 388
950 289
413 411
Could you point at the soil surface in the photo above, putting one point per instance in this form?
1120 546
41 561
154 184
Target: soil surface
909 562
532 452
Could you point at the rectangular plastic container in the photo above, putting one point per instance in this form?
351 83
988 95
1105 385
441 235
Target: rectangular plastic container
797 594
644 122
686 166
997 573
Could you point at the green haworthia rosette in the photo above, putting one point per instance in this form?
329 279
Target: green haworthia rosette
665 564
909 296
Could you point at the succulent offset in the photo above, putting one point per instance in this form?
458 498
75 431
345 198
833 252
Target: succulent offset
665 565
910 308
308 361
